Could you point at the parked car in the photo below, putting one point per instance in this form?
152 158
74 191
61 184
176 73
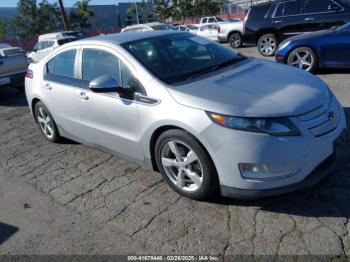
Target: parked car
270 23
13 66
46 46
231 33
204 116
63 34
208 31
323 49
186 28
146 27
211 20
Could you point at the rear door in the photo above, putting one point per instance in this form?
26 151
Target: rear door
287 18
60 88
322 14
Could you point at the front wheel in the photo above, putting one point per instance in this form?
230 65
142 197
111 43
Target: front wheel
185 165
303 58
235 40
267 44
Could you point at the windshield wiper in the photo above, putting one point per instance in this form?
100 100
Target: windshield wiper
214 68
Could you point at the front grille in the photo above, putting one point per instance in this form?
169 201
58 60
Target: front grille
323 119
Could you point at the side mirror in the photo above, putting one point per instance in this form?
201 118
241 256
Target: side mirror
104 84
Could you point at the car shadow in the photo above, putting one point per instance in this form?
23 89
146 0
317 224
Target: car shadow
6 231
329 71
330 198
11 97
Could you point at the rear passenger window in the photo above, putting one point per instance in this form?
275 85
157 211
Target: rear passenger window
288 8
317 6
97 63
62 64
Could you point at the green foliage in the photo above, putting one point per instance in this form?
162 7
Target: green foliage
181 9
35 19
142 10
79 16
5 28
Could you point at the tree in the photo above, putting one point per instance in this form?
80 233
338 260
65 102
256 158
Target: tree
162 9
36 19
142 9
80 15
5 28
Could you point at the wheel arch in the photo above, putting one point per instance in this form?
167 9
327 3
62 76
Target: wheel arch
267 31
160 130
35 100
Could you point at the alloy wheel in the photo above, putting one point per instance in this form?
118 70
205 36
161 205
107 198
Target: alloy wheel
182 166
45 123
267 46
235 40
302 59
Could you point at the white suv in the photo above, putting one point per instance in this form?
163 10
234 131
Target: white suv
46 46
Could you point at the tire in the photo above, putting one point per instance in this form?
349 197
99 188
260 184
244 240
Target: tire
267 45
46 123
235 40
198 177
304 58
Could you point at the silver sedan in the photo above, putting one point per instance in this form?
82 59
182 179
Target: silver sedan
209 119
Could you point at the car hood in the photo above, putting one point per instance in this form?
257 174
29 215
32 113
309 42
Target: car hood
254 88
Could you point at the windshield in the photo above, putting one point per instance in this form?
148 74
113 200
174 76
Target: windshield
160 27
345 27
178 57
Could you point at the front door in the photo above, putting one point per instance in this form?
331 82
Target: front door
109 121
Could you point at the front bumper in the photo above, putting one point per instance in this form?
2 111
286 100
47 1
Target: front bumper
326 168
302 154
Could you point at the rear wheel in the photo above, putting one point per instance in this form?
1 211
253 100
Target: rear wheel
267 44
185 165
235 40
46 123
303 58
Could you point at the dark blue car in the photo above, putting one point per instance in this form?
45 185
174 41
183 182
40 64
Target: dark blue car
322 49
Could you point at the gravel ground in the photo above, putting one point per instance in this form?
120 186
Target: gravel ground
72 199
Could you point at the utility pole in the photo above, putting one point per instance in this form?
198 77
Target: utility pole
137 13
64 16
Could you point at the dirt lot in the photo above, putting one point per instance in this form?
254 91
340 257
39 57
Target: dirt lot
73 199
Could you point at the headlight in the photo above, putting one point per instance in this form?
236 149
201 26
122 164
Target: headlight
283 45
273 126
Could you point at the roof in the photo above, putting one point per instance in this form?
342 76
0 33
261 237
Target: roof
121 38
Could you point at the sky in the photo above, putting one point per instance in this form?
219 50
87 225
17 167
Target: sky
67 3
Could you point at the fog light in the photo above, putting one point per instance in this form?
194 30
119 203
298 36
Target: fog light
261 171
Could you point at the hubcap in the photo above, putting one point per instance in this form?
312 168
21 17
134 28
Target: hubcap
267 46
302 59
235 40
45 122
182 166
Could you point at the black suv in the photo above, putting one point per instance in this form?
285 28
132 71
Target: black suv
270 23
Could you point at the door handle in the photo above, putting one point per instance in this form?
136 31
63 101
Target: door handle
309 19
277 21
48 86
84 96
